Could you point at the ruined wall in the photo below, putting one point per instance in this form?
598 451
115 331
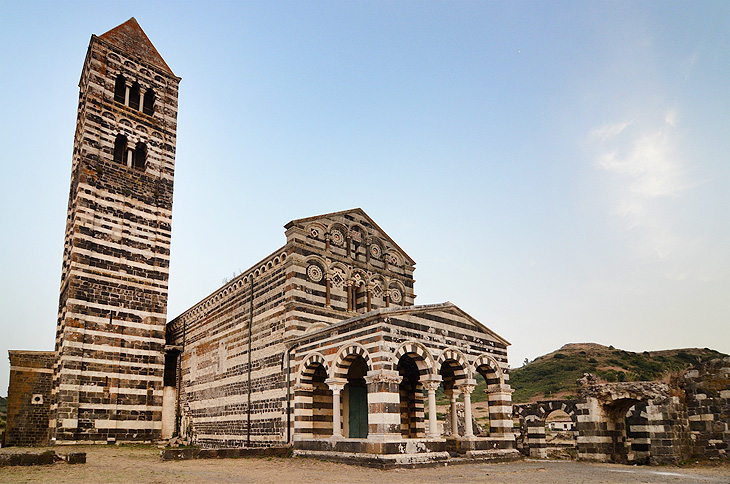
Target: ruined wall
657 431
113 297
707 389
29 397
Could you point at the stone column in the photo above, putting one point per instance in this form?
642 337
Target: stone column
336 385
169 400
368 290
454 415
466 389
349 296
536 436
594 439
142 92
500 413
328 286
383 404
431 385
127 87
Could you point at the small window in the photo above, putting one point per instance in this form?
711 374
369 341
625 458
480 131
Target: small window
120 149
120 89
149 102
134 96
140 156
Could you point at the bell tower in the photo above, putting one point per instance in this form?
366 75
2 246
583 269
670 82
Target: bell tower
110 337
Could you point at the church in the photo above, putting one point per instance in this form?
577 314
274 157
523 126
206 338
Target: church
318 345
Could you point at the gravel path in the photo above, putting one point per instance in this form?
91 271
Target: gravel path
142 465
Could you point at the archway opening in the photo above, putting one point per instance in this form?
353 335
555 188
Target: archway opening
321 403
560 435
452 374
489 406
355 400
411 399
619 419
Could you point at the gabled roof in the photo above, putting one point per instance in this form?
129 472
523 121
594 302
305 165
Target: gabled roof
359 211
446 306
130 37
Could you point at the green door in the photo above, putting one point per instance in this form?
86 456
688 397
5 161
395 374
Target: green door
358 412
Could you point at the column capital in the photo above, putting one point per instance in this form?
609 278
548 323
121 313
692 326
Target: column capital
336 384
431 385
467 387
431 382
307 387
388 376
499 388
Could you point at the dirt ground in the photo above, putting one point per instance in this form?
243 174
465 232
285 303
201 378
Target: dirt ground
142 465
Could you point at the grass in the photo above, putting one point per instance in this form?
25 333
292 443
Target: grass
554 375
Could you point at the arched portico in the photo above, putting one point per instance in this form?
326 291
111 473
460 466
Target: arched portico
499 395
312 399
455 372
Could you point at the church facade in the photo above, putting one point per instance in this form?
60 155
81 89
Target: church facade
318 345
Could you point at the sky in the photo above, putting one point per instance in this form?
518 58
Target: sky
559 170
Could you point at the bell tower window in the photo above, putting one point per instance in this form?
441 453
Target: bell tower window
134 96
120 89
120 149
149 102
139 160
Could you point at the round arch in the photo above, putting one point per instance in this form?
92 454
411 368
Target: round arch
424 361
491 363
344 358
457 356
308 366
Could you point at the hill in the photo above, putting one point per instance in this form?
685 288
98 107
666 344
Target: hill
554 375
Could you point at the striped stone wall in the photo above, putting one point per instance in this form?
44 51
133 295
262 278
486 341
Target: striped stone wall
29 397
381 338
298 288
228 379
707 389
107 382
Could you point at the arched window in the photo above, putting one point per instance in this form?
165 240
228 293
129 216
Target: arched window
149 102
134 96
140 156
120 89
120 149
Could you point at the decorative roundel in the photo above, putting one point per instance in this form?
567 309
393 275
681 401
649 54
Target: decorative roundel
314 272
337 237
393 260
395 295
375 251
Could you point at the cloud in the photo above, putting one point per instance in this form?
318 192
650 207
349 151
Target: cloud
606 132
647 173
648 162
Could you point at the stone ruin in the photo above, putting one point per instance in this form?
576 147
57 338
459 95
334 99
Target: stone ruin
641 422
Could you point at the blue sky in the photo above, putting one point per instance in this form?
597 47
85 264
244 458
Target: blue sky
559 170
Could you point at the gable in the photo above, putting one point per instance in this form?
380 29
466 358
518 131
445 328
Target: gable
357 225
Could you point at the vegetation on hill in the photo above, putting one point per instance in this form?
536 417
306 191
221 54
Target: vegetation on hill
554 375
